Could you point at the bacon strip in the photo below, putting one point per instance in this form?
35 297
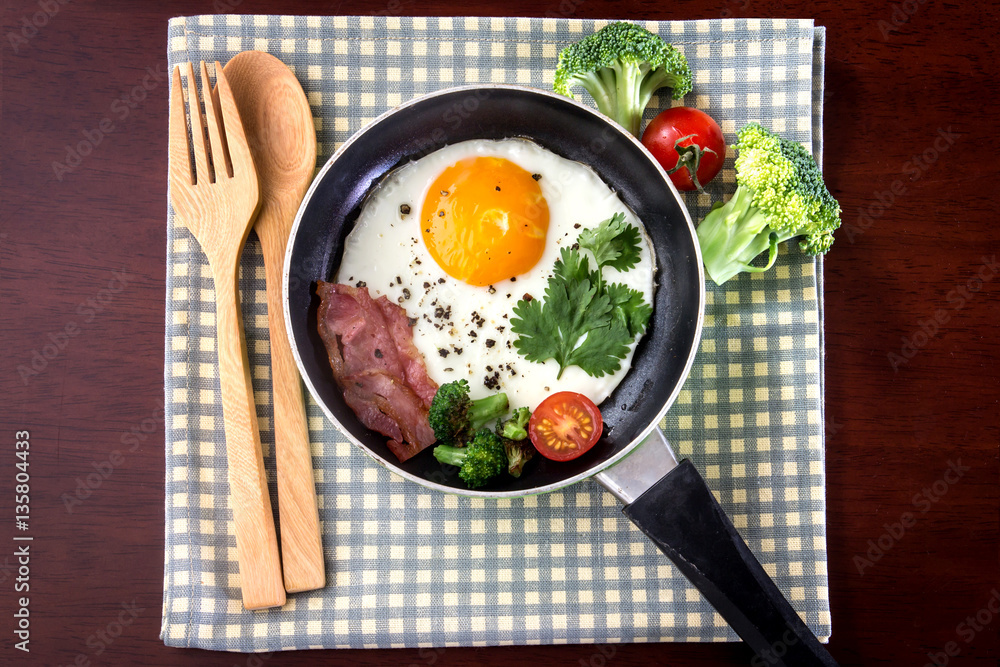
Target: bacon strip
409 356
377 365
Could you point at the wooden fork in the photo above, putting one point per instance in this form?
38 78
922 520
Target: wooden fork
217 203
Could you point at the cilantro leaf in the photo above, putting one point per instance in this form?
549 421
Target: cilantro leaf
602 350
614 242
576 308
573 266
572 308
583 321
538 336
629 308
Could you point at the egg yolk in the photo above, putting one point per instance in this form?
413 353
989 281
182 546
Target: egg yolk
484 220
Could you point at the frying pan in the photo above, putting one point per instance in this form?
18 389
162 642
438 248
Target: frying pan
667 500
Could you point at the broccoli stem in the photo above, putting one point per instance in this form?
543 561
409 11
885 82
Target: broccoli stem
600 85
630 104
732 235
515 428
486 410
449 455
653 81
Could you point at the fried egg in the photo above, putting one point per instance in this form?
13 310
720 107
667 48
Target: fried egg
458 236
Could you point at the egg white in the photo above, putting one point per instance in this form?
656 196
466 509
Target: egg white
463 331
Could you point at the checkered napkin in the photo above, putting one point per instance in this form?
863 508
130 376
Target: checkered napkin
412 567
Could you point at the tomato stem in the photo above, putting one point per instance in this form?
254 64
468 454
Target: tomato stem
689 157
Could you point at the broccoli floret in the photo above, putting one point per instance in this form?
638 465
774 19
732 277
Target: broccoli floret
621 66
779 195
518 453
454 416
514 433
515 428
484 459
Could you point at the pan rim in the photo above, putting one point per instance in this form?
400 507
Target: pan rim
389 465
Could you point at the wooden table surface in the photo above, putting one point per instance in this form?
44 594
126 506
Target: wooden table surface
911 328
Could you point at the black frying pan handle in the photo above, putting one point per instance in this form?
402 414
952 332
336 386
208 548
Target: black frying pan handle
680 514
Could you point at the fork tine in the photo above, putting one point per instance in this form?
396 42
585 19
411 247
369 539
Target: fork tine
197 129
179 146
222 122
239 150
216 128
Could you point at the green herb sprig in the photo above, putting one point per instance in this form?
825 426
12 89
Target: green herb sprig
584 321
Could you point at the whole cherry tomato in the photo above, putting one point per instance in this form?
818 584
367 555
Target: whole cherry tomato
688 144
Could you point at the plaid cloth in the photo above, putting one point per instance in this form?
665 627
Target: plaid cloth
411 567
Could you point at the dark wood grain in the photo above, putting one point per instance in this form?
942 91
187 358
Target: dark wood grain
893 87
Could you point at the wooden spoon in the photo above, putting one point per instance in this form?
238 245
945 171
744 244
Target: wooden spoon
279 127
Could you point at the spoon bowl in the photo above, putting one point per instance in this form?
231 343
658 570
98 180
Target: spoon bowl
279 126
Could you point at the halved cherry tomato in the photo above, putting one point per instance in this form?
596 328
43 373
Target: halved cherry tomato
688 143
565 425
